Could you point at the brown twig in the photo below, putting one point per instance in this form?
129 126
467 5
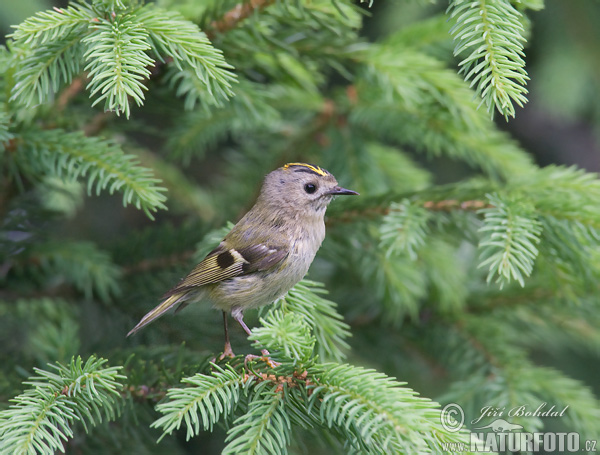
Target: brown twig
143 393
281 381
71 91
96 123
452 204
236 15
435 206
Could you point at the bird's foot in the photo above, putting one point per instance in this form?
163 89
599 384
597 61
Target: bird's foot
268 360
227 352
265 358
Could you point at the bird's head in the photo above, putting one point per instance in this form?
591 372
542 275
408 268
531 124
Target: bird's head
301 188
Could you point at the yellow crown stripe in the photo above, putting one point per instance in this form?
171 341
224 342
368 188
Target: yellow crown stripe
315 169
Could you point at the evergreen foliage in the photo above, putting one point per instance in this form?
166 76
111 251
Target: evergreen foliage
464 269
70 155
43 415
113 39
360 406
508 243
492 34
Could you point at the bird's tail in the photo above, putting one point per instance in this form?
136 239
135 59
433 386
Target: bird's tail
157 312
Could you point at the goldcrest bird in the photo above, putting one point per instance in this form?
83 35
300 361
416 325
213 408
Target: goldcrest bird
266 253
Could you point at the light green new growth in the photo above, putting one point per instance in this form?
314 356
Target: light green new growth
117 62
508 243
286 332
491 33
328 326
404 229
117 49
203 72
42 418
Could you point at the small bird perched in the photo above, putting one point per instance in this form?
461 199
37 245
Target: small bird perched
266 253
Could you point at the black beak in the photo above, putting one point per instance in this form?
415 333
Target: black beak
339 190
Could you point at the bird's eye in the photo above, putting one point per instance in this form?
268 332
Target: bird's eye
310 188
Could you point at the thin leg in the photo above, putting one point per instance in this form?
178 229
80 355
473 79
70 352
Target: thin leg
238 315
227 351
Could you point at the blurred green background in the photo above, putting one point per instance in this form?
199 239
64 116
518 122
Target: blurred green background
560 124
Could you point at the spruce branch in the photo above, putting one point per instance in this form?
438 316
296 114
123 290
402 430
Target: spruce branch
69 93
564 193
509 379
376 412
583 408
534 5
210 398
42 417
5 133
49 52
50 326
185 195
404 228
287 333
410 97
571 248
399 171
264 429
52 25
372 208
114 41
328 327
452 204
509 239
544 317
250 110
446 274
492 33
112 5
41 72
117 62
170 35
71 155
405 252
82 264
369 410
398 284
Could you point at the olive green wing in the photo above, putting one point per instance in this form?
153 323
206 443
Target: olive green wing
220 264
224 263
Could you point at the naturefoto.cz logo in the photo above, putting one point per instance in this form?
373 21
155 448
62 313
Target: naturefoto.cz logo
501 435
